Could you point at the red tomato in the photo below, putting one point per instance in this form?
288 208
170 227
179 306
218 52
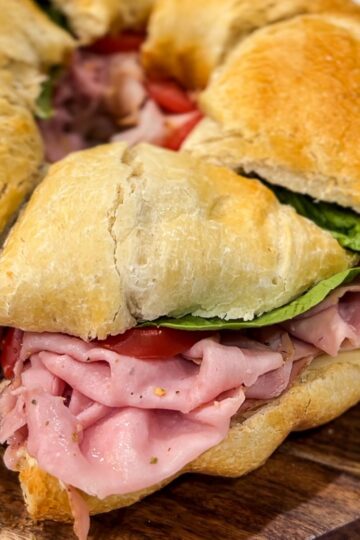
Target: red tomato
153 343
11 346
126 42
178 136
170 97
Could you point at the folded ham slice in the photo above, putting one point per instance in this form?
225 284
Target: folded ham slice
106 412
332 325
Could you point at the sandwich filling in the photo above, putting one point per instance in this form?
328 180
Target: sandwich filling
105 96
107 419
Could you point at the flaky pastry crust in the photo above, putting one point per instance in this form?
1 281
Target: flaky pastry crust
188 39
114 236
29 43
286 106
322 392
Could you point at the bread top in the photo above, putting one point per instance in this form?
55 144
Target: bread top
91 19
187 39
113 236
29 42
286 105
27 35
21 147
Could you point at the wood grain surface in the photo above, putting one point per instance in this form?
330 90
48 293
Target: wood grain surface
309 489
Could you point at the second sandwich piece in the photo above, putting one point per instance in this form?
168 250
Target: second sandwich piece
285 107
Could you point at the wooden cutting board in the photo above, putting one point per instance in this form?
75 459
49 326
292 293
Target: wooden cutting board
309 489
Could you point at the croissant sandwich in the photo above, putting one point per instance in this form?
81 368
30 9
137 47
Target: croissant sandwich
29 44
164 316
284 108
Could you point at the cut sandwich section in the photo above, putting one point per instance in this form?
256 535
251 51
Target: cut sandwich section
103 94
285 107
29 43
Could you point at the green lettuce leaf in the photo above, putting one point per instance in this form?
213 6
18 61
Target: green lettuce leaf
342 223
44 107
303 303
44 103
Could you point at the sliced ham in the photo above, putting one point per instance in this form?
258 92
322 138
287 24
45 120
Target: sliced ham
80 513
145 419
150 127
332 325
129 449
103 98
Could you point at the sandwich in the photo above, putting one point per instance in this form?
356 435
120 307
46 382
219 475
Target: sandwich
179 47
164 315
284 108
29 44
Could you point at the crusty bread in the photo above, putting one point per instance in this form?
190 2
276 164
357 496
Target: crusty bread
28 36
91 19
21 150
286 106
29 42
323 391
113 236
188 39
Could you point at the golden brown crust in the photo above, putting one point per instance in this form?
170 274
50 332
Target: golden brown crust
323 391
21 152
28 36
29 42
188 39
91 19
113 236
285 105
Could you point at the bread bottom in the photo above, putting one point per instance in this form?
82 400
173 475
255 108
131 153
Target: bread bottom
323 391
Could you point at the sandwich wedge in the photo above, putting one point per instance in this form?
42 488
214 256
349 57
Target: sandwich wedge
102 409
29 44
283 108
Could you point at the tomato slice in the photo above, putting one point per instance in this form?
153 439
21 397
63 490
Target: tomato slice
178 136
10 350
170 97
153 343
126 42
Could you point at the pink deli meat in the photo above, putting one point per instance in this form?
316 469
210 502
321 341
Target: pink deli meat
332 325
103 98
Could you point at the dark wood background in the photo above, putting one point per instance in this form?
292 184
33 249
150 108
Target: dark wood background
310 488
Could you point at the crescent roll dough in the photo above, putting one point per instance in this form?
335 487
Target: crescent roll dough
189 38
29 42
113 236
286 106
323 391
28 35
91 19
